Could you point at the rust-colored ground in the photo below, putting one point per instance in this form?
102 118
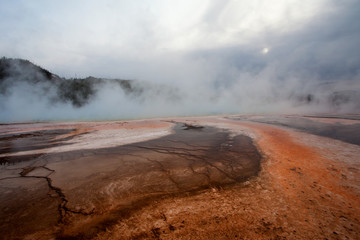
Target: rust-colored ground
300 194
308 188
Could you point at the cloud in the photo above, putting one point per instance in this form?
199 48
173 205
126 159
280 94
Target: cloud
68 35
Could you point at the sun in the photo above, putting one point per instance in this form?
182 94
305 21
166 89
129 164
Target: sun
265 50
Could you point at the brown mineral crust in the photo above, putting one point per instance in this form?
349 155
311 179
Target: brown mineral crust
181 164
26 207
308 188
300 194
96 188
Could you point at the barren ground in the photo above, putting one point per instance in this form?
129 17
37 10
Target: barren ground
237 177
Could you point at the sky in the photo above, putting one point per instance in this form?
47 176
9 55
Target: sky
255 48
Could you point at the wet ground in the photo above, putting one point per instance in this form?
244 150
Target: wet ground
313 124
32 140
234 177
79 194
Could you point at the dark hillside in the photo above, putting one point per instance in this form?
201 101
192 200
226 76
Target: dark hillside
15 73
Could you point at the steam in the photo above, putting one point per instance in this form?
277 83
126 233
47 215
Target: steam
212 62
42 98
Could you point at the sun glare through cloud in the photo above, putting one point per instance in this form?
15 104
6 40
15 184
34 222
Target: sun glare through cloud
265 50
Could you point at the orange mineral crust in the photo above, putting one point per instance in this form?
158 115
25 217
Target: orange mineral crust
304 191
320 192
201 179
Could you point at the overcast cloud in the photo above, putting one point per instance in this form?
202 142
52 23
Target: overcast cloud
238 51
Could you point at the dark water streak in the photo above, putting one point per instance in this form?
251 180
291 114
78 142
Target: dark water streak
349 133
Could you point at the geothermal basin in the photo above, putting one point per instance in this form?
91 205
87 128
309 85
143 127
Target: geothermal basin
219 177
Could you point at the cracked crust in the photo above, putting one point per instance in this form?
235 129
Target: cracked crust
127 178
197 183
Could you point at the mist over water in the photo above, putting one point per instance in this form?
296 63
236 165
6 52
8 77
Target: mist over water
226 58
29 94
